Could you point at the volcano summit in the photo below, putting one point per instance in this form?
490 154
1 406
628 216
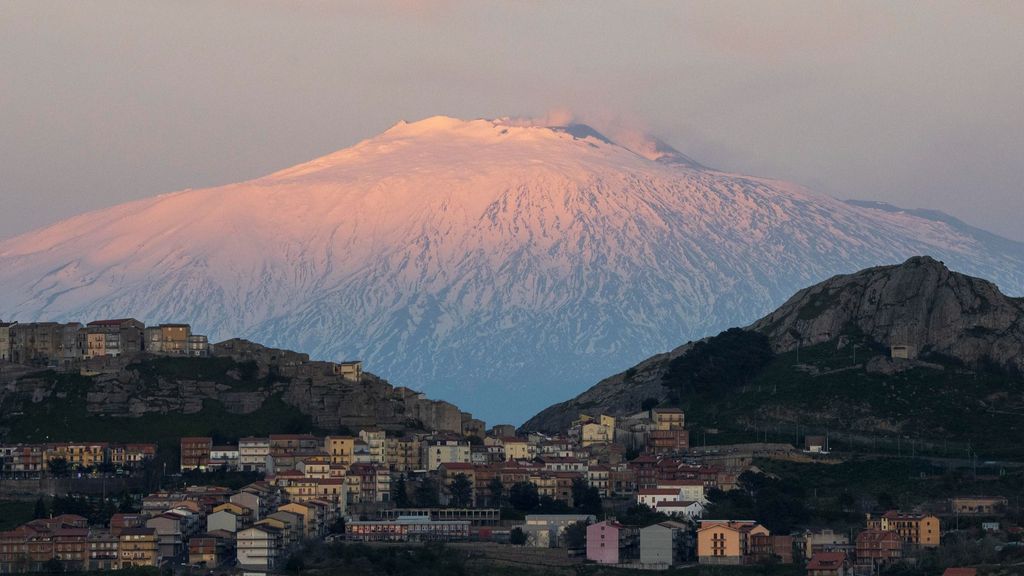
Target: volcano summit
500 266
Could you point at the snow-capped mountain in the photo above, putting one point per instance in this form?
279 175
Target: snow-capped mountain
497 265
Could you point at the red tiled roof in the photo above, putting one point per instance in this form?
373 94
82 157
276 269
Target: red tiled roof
826 560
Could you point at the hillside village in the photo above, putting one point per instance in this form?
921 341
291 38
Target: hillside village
627 491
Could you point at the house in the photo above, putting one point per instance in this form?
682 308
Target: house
668 441
878 547
609 542
690 490
548 530
210 550
260 547
103 551
828 564
663 544
680 508
668 418
915 529
727 541
291 525
340 449
120 337
651 496
226 457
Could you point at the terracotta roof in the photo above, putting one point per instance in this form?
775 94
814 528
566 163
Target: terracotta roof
658 492
826 560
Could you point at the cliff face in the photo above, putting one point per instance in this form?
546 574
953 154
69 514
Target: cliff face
241 377
920 304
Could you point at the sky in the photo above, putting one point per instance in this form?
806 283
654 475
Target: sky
917 104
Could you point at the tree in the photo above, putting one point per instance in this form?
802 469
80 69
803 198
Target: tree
576 535
497 490
586 498
649 403
523 496
40 511
461 491
400 493
426 493
517 537
53 566
59 467
719 364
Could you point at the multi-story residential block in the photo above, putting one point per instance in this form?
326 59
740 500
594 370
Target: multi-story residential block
286 450
224 456
36 343
195 452
120 337
168 339
727 541
878 547
915 529
404 454
668 419
664 544
340 449
104 551
436 452
668 441
198 346
253 453
375 442
5 340
260 547
138 547
518 448
609 542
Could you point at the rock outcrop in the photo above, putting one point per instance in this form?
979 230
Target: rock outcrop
926 310
242 377
919 305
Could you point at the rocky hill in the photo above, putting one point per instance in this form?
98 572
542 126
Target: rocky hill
830 362
243 389
474 258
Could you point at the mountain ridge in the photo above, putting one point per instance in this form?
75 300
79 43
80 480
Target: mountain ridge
463 257
940 316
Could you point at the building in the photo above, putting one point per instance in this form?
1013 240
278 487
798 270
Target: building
253 453
407 529
260 547
350 370
375 441
437 452
341 449
981 505
664 544
5 340
198 346
609 542
668 419
825 541
548 530
727 541
209 550
668 441
816 444
878 547
828 564
195 452
138 547
37 343
914 529
168 339
120 337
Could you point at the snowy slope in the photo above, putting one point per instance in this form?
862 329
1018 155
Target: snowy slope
502 267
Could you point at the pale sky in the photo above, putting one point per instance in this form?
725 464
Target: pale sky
917 104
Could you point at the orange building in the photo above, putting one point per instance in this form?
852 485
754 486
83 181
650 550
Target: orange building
916 529
727 541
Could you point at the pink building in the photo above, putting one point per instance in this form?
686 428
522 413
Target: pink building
609 542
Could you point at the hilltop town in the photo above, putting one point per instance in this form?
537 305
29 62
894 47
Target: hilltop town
626 491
